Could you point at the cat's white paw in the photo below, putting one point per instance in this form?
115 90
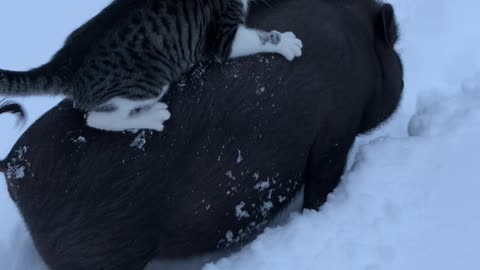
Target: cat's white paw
150 117
289 46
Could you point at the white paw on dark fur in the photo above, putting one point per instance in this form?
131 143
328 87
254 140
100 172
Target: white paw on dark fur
289 46
151 116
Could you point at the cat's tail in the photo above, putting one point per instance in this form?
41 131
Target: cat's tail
7 106
38 81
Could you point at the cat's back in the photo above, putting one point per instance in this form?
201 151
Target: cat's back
115 15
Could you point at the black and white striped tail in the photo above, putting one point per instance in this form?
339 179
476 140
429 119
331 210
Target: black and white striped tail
28 83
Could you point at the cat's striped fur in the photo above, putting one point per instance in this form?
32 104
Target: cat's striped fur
119 64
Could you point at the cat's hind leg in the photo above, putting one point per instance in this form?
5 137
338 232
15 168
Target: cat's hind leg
120 114
250 41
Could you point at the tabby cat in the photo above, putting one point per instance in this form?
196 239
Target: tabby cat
117 66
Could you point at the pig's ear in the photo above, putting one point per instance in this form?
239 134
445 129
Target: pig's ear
387 28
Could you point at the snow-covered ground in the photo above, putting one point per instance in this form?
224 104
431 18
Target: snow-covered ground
408 200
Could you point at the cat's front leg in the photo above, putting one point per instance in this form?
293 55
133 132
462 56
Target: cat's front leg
250 41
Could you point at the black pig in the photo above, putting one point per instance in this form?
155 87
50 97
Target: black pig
244 138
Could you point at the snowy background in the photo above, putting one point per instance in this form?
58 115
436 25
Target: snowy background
409 199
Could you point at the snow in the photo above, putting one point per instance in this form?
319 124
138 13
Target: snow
409 197
230 175
405 203
139 141
262 185
239 157
240 213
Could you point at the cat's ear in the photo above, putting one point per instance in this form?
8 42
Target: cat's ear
387 25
